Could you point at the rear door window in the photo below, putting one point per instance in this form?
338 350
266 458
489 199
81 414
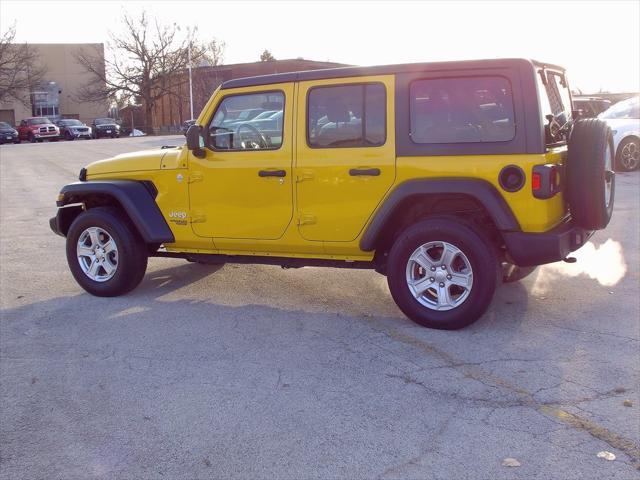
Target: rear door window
461 110
335 116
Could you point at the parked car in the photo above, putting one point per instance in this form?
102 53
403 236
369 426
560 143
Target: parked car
105 127
37 129
70 129
432 174
590 107
185 126
624 120
8 134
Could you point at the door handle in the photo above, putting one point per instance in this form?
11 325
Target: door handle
272 173
370 172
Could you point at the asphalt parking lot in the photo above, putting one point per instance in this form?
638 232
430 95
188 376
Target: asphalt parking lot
254 371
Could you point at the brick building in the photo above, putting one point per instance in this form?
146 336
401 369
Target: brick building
173 109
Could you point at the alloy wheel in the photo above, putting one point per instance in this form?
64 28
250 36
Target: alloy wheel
439 275
97 254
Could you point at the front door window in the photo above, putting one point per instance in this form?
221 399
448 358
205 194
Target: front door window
248 122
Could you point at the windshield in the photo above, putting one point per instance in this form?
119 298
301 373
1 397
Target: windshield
629 109
38 121
105 121
69 123
5 125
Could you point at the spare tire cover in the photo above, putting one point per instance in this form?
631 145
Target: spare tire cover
589 174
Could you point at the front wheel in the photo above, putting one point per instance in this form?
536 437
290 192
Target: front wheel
105 253
442 273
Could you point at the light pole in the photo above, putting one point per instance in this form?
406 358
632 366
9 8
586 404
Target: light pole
190 81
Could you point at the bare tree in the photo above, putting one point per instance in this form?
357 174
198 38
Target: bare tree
145 62
213 53
20 69
206 78
266 56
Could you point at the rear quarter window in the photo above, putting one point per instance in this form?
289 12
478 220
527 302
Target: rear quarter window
461 110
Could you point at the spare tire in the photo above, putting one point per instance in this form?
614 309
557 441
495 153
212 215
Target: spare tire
589 173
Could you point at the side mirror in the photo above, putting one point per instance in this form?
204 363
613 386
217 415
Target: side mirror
195 141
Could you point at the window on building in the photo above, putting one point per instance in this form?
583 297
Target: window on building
335 116
462 110
236 126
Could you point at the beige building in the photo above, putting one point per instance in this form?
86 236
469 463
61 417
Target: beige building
57 96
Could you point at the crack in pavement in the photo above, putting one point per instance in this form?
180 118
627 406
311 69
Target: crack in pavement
526 398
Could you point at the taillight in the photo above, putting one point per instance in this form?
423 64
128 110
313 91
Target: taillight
545 180
535 181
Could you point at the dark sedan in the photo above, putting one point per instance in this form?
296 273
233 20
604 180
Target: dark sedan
8 134
105 127
185 126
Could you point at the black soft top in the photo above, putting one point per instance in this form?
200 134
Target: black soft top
385 70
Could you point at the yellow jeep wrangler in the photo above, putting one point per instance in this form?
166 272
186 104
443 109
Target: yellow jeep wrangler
445 177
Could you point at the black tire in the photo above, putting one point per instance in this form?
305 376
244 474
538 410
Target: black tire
131 252
477 249
32 138
628 161
589 170
67 136
16 141
514 273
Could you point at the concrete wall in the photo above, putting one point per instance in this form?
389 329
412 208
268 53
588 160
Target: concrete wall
63 69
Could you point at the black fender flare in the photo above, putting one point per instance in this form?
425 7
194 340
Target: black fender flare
481 190
133 196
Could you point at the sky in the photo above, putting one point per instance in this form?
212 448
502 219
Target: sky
597 41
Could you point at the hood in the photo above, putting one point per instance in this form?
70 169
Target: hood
128 162
7 129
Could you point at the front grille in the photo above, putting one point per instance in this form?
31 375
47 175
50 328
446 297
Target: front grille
82 129
43 129
52 129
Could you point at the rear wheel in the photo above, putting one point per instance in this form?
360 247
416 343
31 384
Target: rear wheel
105 253
628 155
32 138
442 273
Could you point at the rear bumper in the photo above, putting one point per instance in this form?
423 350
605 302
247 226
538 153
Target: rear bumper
529 249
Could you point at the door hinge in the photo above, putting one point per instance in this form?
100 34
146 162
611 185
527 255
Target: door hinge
306 220
305 175
197 217
196 177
